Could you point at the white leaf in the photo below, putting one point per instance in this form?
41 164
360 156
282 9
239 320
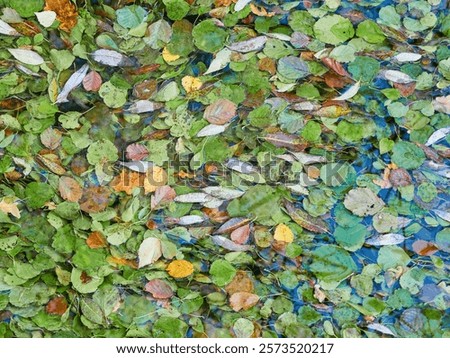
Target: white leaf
387 239
305 158
108 57
397 77
380 328
254 44
73 82
304 106
149 251
442 104
228 244
241 4
363 202
213 203
190 220
46 18
140 166
241 167
408 57
352 91
297 189
192 198
26 70
212 129
278 36
144 106
221 61
26 56
6 29
444 215
223 193
437 136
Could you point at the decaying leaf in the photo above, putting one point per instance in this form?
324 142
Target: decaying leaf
96 240
159 289
228 244
386 239
243 301
69 189
66 13
9 206
363 202
283 233
136 152
163 194
220 112
149 251
305 220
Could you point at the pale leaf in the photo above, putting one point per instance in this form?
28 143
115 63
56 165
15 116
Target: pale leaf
26 56
351 92
149 251
221 61
6 29
211 129
254 44
46 18
73 82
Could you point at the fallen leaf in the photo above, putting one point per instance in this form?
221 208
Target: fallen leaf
140 166
128 180
397 77
407 57
351 92
92 81
399 177
363 202
51 138
386 239
66 13
96 240
192 198
57 306
231 225
424 248
211 129
69 189
136 151
180 268
163 194
109 57
283 233
241 234
229 245
254 44
73 82
438 135
149 251
243 301
120 261
6 29
191 84
9 206
240 4
169 57
222 59
46 18
335 66
28 57
305 220
94 199
144 106
220 112
159 289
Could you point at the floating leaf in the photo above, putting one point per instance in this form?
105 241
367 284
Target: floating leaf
397 77
163 194
283 233
92 81
222 59
220 112
305 220
73 82
228 244
387 239
254 44
351 92
159 289
363 202
57 306
46 18
136 152
243 301
9 206
6 29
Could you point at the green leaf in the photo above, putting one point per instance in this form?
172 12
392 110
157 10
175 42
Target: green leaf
364 69
176 9
351 238
131 16
38 194
407 155
370 31
169 327
333 29
102 151
222 272
391 257
113 96
331 264
208 36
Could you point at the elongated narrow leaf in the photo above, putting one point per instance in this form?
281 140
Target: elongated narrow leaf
6 29
73 82
28 57
351 92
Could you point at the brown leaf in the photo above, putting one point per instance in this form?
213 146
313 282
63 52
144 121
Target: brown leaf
336 81
335 66
79 165
66 13
122 261
241 234
96 240
136 151
424 248
305 220
92 82
243 301
405 89
128 180
145 89
283 140
94 199
241 282
69 189
56 306
220 112
163 194
399 177
9 207
159 289
52 162
51 138
231 225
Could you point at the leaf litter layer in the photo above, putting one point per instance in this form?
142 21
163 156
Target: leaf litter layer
224 168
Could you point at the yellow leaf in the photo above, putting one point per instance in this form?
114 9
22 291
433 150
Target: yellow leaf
8 206
283 233
180 268
191 84
169 57
128 180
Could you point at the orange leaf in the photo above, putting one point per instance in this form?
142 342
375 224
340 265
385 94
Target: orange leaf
220 112
180 268
57 306
66 13
424 248
242 282
243 300
128 180
69 189
240 235
122 262
96 240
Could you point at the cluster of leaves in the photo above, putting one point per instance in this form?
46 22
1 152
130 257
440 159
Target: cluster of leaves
217 168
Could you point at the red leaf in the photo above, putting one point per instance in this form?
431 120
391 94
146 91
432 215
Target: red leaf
92 82
240 235
136 151
57 306
159 289
163 194
220 112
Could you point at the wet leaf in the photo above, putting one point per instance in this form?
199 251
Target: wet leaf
243 301
149 251
180 269
159 289
69 189
28 57
363 202
283 233
220 112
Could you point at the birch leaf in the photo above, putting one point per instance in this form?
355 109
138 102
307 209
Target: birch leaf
6 29
397 77
73 82
149 251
